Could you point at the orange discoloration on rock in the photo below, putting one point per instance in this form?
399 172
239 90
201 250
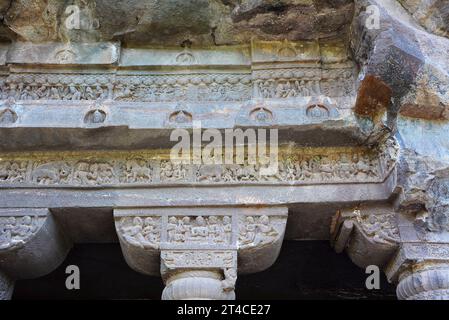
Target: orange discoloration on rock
374 96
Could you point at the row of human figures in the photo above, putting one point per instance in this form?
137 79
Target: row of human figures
124 91
146 231
281 88
141 171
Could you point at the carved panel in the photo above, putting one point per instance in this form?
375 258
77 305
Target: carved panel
381 228
199 258
199 230
258 231
143 232
15 231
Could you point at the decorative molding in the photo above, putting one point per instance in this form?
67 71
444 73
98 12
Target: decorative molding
199 259
268 70
89 169
194 87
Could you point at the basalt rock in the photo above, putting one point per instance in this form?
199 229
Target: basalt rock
172 22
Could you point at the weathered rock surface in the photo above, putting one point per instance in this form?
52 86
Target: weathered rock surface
171 22
404 68
431 14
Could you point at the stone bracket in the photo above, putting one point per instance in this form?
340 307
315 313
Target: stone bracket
31 243
369 235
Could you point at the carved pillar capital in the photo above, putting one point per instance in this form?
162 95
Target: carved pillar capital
369 235
31 244
421 270
196 249
424 281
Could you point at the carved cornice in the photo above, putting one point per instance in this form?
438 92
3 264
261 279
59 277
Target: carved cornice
268 70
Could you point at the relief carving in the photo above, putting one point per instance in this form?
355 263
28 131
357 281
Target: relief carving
15 231
13 171
171 172
93 173
51 173
317 111
198 259
300 166
230 278
381 228
143 232
256 231
269 83
261 115
7 116
199 230
95 117
181 117
137 171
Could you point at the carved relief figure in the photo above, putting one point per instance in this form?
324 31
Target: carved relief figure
13 171
201 230
382 228
173 171
144 233
93 173
256 231
52 173
16 230
138 171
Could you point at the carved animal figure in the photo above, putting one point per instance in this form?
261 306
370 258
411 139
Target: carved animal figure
137 172
52 172
210 172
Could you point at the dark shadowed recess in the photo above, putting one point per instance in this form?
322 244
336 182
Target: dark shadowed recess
304 270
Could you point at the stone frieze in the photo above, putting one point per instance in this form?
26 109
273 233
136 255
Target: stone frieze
94 169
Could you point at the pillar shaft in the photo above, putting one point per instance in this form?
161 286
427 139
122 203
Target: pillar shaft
6 286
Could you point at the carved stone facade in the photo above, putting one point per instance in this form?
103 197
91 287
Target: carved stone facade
360 115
